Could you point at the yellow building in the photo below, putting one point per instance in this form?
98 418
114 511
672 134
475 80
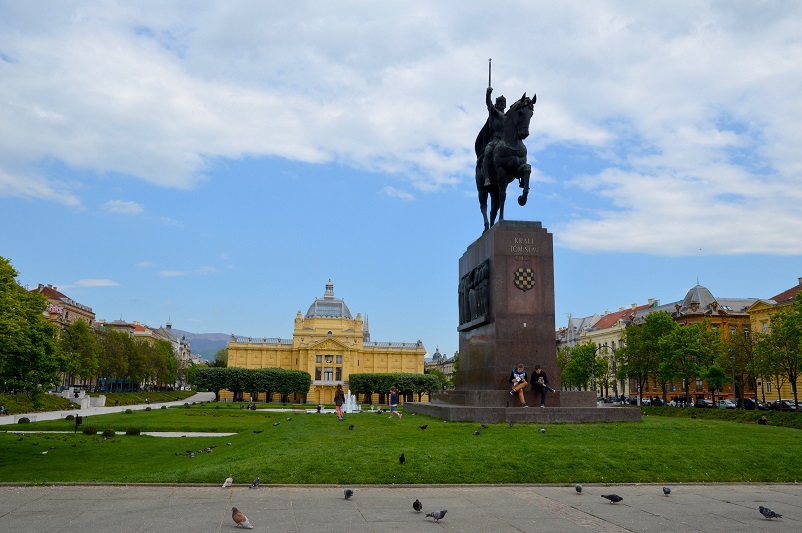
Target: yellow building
329 344
760 316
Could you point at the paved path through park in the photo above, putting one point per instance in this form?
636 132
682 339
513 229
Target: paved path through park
493 509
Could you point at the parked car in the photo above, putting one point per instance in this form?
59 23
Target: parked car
746 403
783 405
726 404
702 403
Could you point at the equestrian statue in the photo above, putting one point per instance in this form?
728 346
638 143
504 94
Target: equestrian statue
501 153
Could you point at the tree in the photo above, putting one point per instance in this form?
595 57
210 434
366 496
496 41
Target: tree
782 346
28 355
212 379
116 350
641 355
220 358
443 383
82 349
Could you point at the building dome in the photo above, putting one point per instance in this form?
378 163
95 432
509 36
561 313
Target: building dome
329 306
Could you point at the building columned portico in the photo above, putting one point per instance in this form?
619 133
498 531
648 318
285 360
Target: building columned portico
330 344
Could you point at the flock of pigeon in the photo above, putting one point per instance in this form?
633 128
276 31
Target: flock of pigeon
615 498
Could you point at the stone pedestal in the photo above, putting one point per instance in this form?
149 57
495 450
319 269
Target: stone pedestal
506 317
510 318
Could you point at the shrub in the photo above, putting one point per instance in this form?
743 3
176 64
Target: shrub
24 420
69 417
108 433
133 431
147 408
89 430
163 407
186 406
129 412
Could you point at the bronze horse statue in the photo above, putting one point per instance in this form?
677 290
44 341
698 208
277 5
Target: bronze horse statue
506 162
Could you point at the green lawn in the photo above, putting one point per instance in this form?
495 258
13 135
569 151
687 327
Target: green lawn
320 449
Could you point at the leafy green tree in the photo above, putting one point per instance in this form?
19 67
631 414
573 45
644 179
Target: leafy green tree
685 354
783 344
443 382
81 346
238 380
220 358
740 347
716 378
29 358
641 355
117 348
212 379
294 382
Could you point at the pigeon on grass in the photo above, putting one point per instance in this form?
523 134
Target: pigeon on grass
768 513
614 498
351 427
402 459
437 515
240 519
417 505
424 426
229 481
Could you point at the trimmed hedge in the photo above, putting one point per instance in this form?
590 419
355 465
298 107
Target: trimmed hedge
24 420
133 431
775 418
89 430
109 433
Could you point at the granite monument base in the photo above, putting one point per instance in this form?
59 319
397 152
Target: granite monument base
493 406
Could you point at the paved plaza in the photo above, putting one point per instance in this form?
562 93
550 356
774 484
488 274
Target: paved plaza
64 508
507 508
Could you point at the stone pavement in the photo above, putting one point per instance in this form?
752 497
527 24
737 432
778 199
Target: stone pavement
721 508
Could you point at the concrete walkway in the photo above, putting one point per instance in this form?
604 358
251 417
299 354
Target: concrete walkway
499 509
89 411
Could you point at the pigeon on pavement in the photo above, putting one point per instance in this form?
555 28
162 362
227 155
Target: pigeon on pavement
437 515
666 491
768 513
240 519
614 498
255 483
417 505
578 488
229 481
402 459
348 493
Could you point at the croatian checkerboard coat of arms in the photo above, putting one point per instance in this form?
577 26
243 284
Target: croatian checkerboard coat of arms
524 278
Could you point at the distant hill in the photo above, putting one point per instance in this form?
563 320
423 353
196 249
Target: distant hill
204 344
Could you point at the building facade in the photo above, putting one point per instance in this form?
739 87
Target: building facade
64 310
329 344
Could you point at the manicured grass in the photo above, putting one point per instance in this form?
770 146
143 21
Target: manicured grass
133 398
320 449
21 403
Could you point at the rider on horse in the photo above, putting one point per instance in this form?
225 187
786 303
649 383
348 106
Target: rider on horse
495 123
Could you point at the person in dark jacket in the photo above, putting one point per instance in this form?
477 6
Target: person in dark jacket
519 382
339 400
540 382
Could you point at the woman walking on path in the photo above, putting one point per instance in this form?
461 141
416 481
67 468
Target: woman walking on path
339 400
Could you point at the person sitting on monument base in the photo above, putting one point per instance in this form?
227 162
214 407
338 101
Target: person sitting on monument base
541 383
519 382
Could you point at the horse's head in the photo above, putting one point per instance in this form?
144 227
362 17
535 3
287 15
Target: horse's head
519 115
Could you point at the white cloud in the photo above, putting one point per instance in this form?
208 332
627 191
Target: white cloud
123 208
96 283
396 193
688 109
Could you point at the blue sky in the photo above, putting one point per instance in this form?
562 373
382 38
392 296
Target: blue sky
214 164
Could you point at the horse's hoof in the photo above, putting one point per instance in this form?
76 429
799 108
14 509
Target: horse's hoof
522 200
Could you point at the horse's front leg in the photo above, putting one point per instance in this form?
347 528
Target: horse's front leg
524 172
501 174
